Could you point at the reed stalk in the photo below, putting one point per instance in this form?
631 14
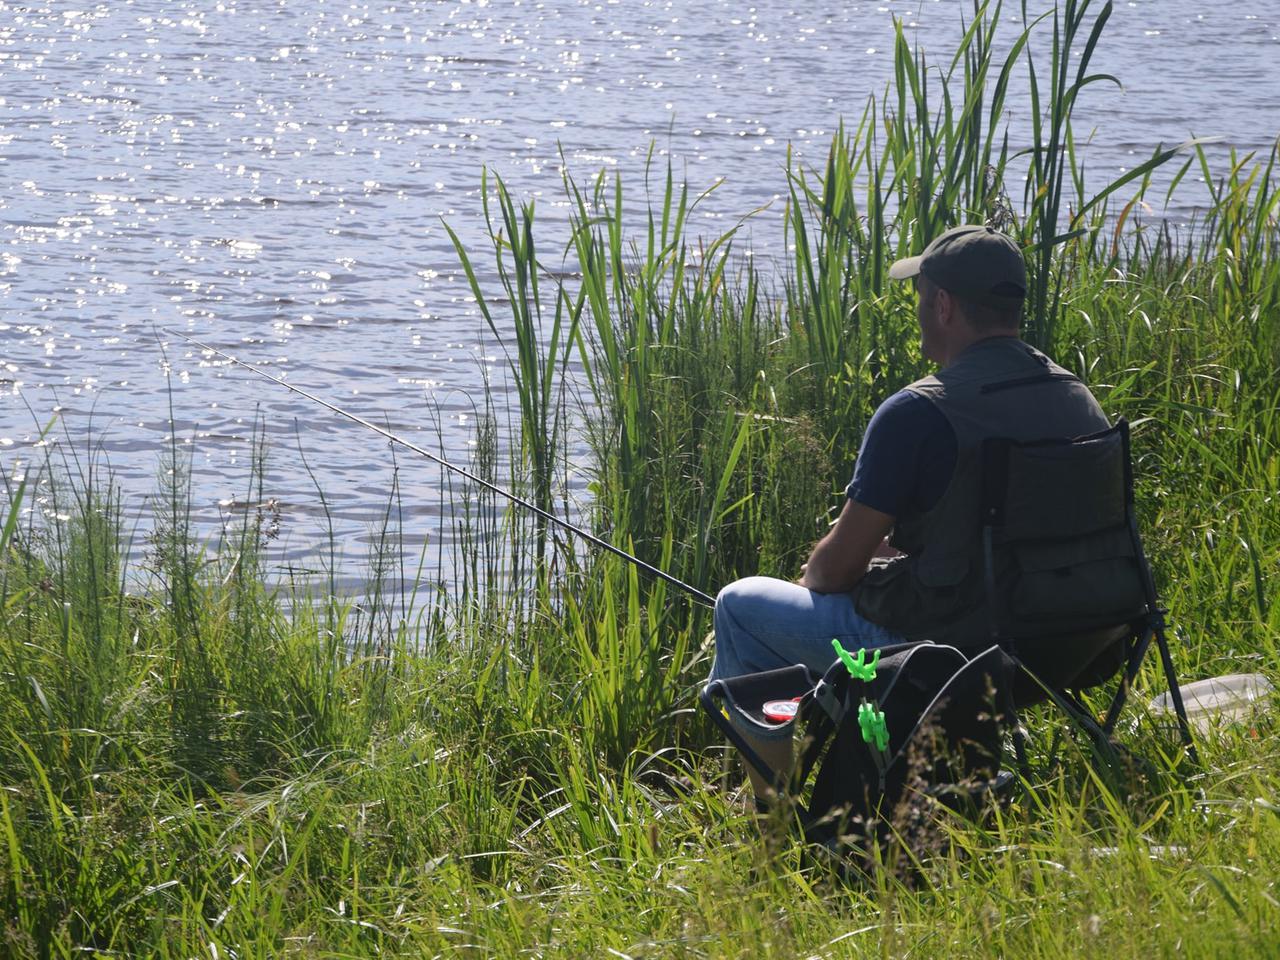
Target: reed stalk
195 768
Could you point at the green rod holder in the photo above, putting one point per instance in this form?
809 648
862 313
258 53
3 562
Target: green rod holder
858 667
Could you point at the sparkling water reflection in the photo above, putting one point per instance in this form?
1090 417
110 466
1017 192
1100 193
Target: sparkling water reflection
272 176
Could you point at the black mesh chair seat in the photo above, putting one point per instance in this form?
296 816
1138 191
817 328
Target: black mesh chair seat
1076 662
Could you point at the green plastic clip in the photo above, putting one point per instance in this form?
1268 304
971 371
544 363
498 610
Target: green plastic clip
871 722
858 668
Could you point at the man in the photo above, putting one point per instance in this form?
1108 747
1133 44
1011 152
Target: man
902 561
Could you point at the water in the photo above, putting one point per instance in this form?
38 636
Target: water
272 177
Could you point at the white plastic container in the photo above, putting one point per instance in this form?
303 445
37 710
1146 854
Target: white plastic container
1219 701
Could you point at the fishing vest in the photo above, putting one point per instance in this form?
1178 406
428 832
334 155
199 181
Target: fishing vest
999 387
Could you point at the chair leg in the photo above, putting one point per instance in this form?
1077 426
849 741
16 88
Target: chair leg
1080 715
1175 692
1155 628
1133 663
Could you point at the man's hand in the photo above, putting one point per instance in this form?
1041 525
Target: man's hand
840 559
887 552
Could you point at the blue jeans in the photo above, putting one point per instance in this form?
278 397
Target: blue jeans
763 624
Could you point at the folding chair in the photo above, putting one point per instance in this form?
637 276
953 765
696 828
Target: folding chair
1046 501
1071 602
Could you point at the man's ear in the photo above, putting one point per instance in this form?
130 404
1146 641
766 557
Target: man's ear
946 306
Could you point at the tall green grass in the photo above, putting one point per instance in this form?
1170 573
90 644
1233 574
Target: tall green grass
194 762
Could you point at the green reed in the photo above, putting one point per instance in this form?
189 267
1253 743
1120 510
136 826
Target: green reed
680 339
540 355
196 763
471 798
538 790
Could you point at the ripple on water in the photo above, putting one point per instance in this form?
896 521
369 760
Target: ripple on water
273 178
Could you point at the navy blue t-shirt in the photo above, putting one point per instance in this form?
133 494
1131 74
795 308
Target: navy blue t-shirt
907 457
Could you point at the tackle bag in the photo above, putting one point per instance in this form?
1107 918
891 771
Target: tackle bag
876 729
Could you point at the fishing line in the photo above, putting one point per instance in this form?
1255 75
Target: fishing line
697 594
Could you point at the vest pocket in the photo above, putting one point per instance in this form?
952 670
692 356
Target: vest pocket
896 595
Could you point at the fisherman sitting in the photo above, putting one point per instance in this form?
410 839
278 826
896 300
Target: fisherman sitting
903 560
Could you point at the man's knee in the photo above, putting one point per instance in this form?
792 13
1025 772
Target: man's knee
732 622
735 598
725 619
730 596
741 609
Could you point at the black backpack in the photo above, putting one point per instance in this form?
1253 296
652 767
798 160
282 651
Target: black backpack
879 729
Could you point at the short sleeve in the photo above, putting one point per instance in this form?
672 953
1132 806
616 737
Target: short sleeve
907 457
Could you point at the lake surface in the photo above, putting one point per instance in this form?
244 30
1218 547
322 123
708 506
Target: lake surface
272 177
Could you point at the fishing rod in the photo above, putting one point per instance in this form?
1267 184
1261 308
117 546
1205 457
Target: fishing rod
703 598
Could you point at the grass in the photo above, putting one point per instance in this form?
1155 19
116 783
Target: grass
214 767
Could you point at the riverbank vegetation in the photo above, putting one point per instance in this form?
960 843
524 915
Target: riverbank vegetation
215 767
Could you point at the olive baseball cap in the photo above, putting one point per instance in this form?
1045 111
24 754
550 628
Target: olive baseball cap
976 262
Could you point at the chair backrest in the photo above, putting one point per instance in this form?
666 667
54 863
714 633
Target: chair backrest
1057 489
1063 566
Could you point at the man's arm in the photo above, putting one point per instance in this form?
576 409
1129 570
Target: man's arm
841 557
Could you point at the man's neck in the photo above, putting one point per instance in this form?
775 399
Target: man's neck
978 338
